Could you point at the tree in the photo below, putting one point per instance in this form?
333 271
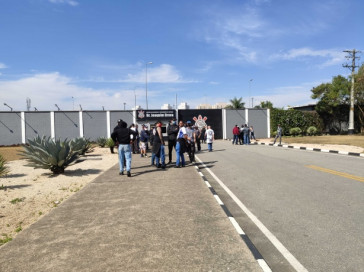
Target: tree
266 105
334 101
332 94
236 104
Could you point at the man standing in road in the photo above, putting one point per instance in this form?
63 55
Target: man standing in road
279 134
210 137
236 133
246 131
172 132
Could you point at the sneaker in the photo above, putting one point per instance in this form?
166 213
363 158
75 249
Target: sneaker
121 173
159 166
177 166
128 174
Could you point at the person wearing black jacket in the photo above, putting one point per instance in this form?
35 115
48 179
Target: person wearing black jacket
121 135
172 132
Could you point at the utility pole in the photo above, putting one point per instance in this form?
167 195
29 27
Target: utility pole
29 103
353 57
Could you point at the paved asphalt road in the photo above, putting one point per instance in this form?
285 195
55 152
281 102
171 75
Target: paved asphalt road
312 202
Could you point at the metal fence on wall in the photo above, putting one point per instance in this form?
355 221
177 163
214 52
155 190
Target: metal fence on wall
18 127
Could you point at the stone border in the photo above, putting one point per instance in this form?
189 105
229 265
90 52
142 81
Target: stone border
313 149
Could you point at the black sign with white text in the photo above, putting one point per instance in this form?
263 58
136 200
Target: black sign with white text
145 115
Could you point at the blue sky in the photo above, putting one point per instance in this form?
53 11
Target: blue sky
203 51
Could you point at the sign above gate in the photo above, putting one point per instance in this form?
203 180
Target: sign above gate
145 115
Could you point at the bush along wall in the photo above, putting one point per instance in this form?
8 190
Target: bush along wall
291 118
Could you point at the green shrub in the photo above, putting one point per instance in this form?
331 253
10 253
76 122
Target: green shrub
294 118
50 154
3 168
81 145
110 142
312 131
101 141
295 131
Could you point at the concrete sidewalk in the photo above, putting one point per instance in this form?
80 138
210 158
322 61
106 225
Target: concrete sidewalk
156 220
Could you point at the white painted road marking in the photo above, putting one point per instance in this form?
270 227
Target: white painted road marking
279 246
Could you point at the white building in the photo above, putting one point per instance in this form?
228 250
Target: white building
220 105
183 106
166 107
204 106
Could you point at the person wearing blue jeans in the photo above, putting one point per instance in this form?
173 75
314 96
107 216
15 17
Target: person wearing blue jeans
121 136
181 145
210 137
158 146
246 134
154 160
124 152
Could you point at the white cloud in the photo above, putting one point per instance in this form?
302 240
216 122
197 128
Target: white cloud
164 73
2 66
45 90
327 57
287 95
234 30
68 2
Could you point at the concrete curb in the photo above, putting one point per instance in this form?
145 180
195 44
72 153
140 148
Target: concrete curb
314 149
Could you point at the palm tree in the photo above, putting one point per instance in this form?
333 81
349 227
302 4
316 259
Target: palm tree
266 105
236 103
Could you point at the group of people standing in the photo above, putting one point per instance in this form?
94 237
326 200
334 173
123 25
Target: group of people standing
243 135
182 137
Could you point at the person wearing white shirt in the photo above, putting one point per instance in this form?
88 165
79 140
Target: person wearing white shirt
209 138
181 145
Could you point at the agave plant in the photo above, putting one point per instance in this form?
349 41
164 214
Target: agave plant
110 143
81 145
47 153
3 168
101 141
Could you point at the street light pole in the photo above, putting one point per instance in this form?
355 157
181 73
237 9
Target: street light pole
11 109
124 105
250 81
146 82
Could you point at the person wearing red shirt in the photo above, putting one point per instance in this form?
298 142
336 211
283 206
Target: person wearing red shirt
236 132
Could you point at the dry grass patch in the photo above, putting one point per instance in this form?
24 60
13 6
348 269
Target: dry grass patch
11 153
